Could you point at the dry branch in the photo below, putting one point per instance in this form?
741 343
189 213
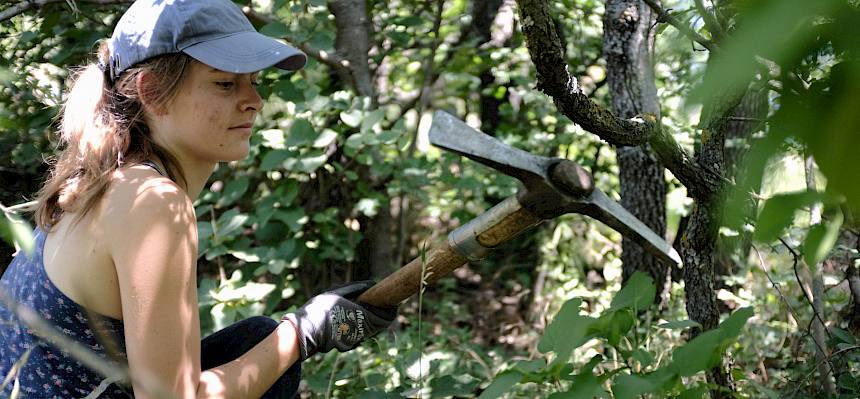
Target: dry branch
664 16
27 5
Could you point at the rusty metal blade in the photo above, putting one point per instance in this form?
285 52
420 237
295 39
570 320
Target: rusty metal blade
600 207
452 134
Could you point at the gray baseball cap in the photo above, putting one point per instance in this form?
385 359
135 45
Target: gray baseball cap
214 32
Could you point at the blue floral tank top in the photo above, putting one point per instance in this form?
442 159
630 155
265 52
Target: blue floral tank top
50 372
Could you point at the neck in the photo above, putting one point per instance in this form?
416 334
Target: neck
196 175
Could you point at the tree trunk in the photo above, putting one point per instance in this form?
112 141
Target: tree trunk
353 42
747 118
628 38
698 246
819 330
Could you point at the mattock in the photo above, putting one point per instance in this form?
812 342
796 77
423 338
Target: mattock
551 187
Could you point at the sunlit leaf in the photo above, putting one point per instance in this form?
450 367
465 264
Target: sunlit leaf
821 239
628 386
352 118
567 331
638 293
699 354
18 232
501 384
228 222
234 190
778 213
680 324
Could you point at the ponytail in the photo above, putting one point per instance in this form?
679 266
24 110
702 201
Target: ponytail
101 129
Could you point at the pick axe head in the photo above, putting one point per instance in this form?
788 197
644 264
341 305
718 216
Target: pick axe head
552 186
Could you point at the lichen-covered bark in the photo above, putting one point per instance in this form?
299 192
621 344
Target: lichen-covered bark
554 79
627 41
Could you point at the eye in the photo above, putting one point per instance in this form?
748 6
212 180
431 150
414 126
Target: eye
225 84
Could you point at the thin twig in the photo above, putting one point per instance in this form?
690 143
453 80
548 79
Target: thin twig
25 207
107 368
664 16
711 22
806 295
775 285
27 5
332 60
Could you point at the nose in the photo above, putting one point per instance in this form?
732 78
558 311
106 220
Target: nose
251 100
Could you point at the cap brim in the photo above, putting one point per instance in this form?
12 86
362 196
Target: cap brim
246 52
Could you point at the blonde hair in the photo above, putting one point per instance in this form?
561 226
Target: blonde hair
102 128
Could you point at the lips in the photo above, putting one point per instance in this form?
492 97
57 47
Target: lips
242 126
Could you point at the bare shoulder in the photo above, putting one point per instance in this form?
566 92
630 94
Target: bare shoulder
139 200
139 192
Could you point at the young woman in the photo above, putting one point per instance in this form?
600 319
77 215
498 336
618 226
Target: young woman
173 93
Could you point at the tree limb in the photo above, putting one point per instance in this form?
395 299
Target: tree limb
711 21
664 16
332 60
27 5
554 79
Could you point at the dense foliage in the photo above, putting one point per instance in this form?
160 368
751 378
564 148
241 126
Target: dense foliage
546 315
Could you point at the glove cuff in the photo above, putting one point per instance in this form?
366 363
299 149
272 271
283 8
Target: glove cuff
303 350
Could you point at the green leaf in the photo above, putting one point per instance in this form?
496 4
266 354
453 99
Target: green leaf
287 91
501 385
223 315
301 132
294 218
585 385
821 239
367 206
274 159
16 231
352 118
628 386
680 325
567 331
325 138
699 392
407 21
731 327
612 325
273 138
842 336
389 136
778 30
228 222
275 29
233 191
778 213
307 162
447 386
643 357
370 119
699 354
638 293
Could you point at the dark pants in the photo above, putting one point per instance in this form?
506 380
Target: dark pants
234 340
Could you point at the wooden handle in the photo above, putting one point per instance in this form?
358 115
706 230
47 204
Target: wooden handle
443 259
402 284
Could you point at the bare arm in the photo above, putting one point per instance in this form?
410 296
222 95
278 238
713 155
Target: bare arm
154 251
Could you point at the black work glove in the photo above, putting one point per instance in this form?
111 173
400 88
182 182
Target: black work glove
335 319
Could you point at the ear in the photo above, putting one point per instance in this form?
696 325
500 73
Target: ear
145 82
